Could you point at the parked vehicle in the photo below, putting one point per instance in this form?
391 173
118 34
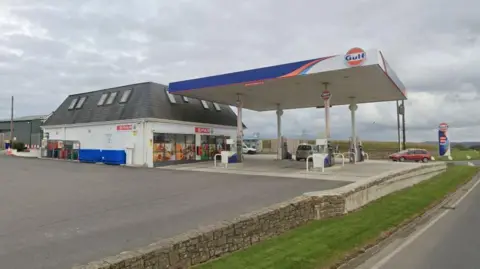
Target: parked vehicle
412 155
248 150
303 151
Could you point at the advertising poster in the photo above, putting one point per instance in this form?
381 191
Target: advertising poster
443 140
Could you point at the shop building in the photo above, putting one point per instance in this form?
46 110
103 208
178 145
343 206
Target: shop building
151 126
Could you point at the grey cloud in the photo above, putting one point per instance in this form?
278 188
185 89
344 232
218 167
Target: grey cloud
87 45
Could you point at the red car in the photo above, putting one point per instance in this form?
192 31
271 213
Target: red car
414 155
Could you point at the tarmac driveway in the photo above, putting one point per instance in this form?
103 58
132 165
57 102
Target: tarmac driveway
54 214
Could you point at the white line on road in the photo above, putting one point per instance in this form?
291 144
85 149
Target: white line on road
412 238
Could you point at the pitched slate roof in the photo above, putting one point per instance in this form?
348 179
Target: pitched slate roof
147 100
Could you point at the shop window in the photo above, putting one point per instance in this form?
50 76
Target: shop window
204 104
125 96
111 98
102 99
211 145
170 96
189 150
173 147
185 99
81 102
184 147
217 107
72 104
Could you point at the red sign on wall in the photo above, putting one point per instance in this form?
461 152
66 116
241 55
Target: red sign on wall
202 130
125 127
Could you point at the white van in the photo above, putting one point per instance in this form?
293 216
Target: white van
248 150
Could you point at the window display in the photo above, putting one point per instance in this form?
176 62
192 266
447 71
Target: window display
158 147
173 147
169 147
189 150
182 148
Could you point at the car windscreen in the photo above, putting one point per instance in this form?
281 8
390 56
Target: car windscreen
304 147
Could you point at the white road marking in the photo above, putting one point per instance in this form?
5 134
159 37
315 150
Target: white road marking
412 238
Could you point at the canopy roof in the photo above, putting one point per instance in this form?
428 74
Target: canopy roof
362 75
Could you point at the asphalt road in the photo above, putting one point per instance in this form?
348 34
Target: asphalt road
55 214
451 242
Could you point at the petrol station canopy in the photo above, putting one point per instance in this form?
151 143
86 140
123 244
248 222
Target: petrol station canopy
362 76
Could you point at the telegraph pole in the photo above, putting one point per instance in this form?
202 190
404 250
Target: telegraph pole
11 124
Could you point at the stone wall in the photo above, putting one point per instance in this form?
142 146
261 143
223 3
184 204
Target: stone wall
214 241
360 193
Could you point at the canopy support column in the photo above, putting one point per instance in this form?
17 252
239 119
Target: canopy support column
239 129
353 108
279 133
326 104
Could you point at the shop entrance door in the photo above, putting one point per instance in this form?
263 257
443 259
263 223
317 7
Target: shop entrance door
211 145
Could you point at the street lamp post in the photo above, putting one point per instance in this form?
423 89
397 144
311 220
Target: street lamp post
30 134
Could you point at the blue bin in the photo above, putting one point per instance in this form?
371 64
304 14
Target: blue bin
90 155
233 159
114 157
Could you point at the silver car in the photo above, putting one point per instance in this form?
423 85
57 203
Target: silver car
303 151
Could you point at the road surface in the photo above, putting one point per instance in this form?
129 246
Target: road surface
54 214
451 242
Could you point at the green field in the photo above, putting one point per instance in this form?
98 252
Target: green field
320 244
381 150
463 155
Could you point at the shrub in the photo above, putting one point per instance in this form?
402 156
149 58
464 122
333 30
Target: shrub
19 146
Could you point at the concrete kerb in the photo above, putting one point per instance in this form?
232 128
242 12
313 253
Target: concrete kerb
213 241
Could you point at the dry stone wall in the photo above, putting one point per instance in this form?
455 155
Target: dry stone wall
213 241
210 242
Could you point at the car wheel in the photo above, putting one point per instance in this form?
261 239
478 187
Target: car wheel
401 159
425 160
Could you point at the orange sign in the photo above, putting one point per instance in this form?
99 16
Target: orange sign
355 57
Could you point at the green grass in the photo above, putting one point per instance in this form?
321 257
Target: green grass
386 145
462 155
319 244
381 150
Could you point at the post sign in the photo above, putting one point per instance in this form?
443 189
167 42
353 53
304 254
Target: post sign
203 130
326 95
443 140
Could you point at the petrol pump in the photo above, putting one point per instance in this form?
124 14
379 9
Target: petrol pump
323 146
357 153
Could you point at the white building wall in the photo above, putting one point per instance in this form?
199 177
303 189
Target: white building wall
138 143
105 136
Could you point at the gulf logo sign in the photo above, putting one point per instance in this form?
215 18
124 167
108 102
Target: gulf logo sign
355 57
443 127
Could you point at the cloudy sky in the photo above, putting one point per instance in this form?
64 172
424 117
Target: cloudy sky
49 49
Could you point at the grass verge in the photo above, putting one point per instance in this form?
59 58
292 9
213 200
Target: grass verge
320 244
